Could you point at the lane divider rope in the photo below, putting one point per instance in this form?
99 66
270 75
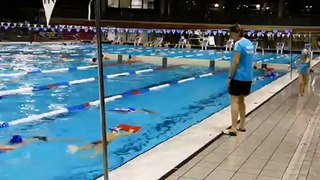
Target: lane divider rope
78 81
62 70
96 103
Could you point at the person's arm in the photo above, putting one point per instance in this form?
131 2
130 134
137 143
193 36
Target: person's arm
97 150
235 64
131 131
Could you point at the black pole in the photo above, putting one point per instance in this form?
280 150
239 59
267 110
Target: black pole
291 60
101 89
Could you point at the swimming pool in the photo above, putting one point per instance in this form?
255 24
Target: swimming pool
177 107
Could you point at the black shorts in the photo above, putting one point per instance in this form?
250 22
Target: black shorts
238 88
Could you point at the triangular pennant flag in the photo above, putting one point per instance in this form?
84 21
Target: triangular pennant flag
78 29
56 26
45 28
14 24
6 27
29 28
41 25
103 29
173 31
49 26
89 10
34 25
21 24
37 28
86 29
48 8
52 29
2 23
94 30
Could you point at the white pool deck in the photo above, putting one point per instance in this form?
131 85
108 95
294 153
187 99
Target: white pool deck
160 160
281 142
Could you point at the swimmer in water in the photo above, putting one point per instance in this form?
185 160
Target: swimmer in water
255 66
131 110
97 145
132 59
94 61
16 141
105 57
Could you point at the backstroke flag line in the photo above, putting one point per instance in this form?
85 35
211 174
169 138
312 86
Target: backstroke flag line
48 8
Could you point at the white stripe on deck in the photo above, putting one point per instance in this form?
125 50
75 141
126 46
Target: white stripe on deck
296 162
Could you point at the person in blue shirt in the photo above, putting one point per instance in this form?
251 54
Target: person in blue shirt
304 69
240 78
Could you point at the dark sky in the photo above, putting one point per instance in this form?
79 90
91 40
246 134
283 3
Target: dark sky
38 3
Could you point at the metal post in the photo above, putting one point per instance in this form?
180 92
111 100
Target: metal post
291 63
101 90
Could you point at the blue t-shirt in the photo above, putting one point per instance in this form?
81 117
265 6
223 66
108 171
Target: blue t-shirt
246 50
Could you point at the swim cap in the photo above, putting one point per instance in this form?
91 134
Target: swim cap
304 52
16 139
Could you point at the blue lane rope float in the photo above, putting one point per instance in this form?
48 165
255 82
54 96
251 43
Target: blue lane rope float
63 70
96 103
79 81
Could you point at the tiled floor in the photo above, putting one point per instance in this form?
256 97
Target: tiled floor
281 142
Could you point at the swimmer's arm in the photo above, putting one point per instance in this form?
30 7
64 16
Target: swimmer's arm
235 64
64 139
131 131
97 150
145 111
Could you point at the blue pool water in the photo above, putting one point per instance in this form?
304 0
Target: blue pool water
177 108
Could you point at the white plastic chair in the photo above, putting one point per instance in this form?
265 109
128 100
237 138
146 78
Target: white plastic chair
280 47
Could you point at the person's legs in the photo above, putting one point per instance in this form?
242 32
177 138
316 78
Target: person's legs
242 111
305 82
301 85
234 112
